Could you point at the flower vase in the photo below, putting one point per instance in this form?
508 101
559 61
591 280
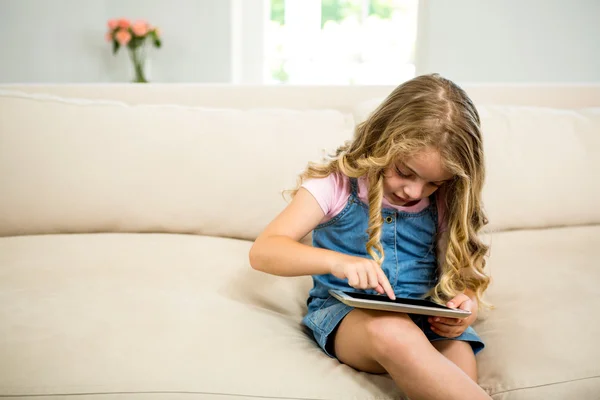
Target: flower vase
138 59
122 33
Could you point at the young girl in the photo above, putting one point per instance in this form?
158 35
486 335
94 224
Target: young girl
396 211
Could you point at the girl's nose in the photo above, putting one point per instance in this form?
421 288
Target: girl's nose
415 191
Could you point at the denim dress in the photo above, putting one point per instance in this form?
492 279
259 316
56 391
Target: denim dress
409 244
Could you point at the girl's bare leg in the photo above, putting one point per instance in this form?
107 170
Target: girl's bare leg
378 342
460 353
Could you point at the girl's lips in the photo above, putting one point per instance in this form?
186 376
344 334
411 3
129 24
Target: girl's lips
406 203
398 198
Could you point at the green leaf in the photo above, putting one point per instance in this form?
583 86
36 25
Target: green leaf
116 46
278 11
155 39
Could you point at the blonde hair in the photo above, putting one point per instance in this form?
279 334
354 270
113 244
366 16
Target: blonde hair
428 111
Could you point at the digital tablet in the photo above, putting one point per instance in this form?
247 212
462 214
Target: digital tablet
404 305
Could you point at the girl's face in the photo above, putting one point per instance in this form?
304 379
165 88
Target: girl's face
408 181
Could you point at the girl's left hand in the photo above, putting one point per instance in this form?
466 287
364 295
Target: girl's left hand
454 327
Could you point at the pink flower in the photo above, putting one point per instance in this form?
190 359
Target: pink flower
124 23
140 28
108 36
112 24
123 37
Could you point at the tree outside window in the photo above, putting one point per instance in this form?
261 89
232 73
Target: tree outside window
340 41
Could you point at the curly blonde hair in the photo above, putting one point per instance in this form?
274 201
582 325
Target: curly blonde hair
427 112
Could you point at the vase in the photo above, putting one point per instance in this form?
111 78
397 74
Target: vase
138 59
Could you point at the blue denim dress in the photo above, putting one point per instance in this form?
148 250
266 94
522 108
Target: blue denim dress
408 241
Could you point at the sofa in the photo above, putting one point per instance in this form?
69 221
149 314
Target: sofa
127 213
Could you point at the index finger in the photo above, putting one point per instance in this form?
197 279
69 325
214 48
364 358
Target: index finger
385 283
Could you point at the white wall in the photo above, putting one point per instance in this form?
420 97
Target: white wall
221 40
63 40
248 40
510 40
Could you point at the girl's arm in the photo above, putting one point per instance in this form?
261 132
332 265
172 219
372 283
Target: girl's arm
277 250
472 296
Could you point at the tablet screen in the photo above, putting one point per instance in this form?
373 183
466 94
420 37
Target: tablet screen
399 300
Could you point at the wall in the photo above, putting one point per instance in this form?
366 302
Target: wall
510 40
63 40
221 40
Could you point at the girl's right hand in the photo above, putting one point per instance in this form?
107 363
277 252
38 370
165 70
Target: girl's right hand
362 273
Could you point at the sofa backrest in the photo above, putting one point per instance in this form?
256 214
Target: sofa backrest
542 166
338 97
99 166
74 165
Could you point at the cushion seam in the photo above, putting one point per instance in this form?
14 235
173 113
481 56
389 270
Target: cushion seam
159 392
537 386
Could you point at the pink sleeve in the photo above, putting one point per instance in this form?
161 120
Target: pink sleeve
331 192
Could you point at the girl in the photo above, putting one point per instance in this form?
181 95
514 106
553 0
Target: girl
406 187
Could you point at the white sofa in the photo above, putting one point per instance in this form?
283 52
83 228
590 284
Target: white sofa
125 231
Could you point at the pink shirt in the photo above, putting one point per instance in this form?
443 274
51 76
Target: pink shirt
332 194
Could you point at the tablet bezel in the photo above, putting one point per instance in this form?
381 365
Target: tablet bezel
395 307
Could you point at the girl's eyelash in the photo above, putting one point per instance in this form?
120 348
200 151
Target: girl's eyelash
409 175
401 174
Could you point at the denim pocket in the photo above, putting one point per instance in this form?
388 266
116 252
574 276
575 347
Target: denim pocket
326 317
317 312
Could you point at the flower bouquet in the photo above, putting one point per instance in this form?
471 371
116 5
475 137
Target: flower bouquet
121 32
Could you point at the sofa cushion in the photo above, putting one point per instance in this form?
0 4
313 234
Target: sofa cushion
133 313
541 337
542 165
72 165
148 313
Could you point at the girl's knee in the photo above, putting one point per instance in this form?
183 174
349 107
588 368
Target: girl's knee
394 336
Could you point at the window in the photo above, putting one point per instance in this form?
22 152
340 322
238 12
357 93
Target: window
340 41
